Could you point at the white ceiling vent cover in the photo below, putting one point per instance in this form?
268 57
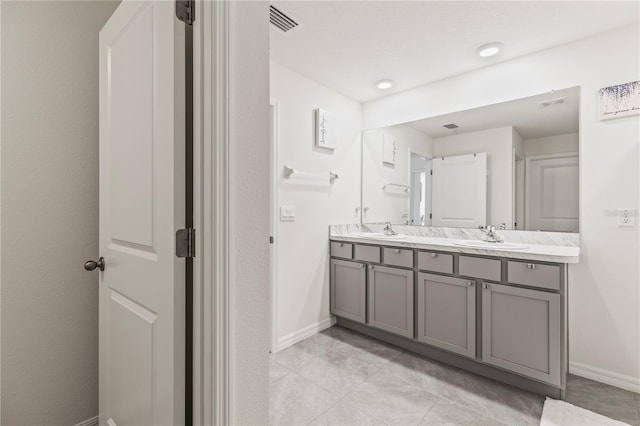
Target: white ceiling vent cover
552 102
280 20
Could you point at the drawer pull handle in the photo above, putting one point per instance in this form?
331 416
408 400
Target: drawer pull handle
485 285
470 283
434 255
531 266
397 251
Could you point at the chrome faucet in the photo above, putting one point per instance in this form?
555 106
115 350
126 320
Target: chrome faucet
492 237
388 230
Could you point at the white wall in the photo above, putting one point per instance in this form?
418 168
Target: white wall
497 143
604 290
249 210
302 245
49 208
392 204
551 144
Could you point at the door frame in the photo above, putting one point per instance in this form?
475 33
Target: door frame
273 209
211 285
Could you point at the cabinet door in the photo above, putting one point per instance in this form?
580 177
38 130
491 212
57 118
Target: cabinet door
521 331
391 300
348 290
447 313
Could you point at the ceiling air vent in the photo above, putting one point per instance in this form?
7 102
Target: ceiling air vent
283 22
451 126
552 102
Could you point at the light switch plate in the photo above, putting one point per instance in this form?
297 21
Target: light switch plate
287 213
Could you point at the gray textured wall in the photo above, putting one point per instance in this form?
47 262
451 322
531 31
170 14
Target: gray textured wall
49 210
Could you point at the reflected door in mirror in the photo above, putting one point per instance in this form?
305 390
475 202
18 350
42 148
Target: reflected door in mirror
460 191
552 193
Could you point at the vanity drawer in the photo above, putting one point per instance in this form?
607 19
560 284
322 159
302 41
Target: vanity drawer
435 262
367 253
477 267
534 274
398 257
340 249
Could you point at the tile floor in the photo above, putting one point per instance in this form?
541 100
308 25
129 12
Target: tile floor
339 377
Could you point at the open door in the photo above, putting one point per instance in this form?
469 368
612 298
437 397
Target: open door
142 204
460 191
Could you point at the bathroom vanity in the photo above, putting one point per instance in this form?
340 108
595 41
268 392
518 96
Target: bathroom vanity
501 313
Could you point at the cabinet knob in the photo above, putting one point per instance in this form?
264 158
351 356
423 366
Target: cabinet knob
363 265
341 244
370 266
434 255
470 283
531 266
485 285
397 251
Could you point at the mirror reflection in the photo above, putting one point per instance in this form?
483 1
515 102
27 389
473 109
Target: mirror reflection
513 165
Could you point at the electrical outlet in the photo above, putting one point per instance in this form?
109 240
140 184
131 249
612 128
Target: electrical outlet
626 217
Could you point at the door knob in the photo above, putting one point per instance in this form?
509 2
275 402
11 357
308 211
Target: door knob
90 265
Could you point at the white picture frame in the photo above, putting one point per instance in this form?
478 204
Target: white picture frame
326 135
619 101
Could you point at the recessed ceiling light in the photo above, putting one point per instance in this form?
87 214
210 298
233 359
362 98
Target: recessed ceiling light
384 84
490 49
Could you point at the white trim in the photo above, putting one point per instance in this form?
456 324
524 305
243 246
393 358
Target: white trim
0 221
199 369
305 333
212 299
605 376
93 421
273 259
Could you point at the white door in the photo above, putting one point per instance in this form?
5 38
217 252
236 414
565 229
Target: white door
142 204
552 192
460 191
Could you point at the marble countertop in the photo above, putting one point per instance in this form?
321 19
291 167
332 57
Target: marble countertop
545 253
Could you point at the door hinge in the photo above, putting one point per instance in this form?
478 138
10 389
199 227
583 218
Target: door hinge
270 240
186 243
186 11
431 172
430 215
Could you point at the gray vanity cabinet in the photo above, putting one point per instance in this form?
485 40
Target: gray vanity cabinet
503 318
349 290
521 331
391 299
447 313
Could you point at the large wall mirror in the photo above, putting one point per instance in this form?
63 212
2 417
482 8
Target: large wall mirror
513 165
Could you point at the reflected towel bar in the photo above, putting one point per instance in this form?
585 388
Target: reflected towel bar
288 172
405 188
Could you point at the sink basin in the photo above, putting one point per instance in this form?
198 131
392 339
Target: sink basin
488 245
380 236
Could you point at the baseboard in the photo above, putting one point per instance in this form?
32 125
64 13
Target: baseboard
605 376
93 421
297 336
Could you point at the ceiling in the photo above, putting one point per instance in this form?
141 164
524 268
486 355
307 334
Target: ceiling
526 115
350 45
